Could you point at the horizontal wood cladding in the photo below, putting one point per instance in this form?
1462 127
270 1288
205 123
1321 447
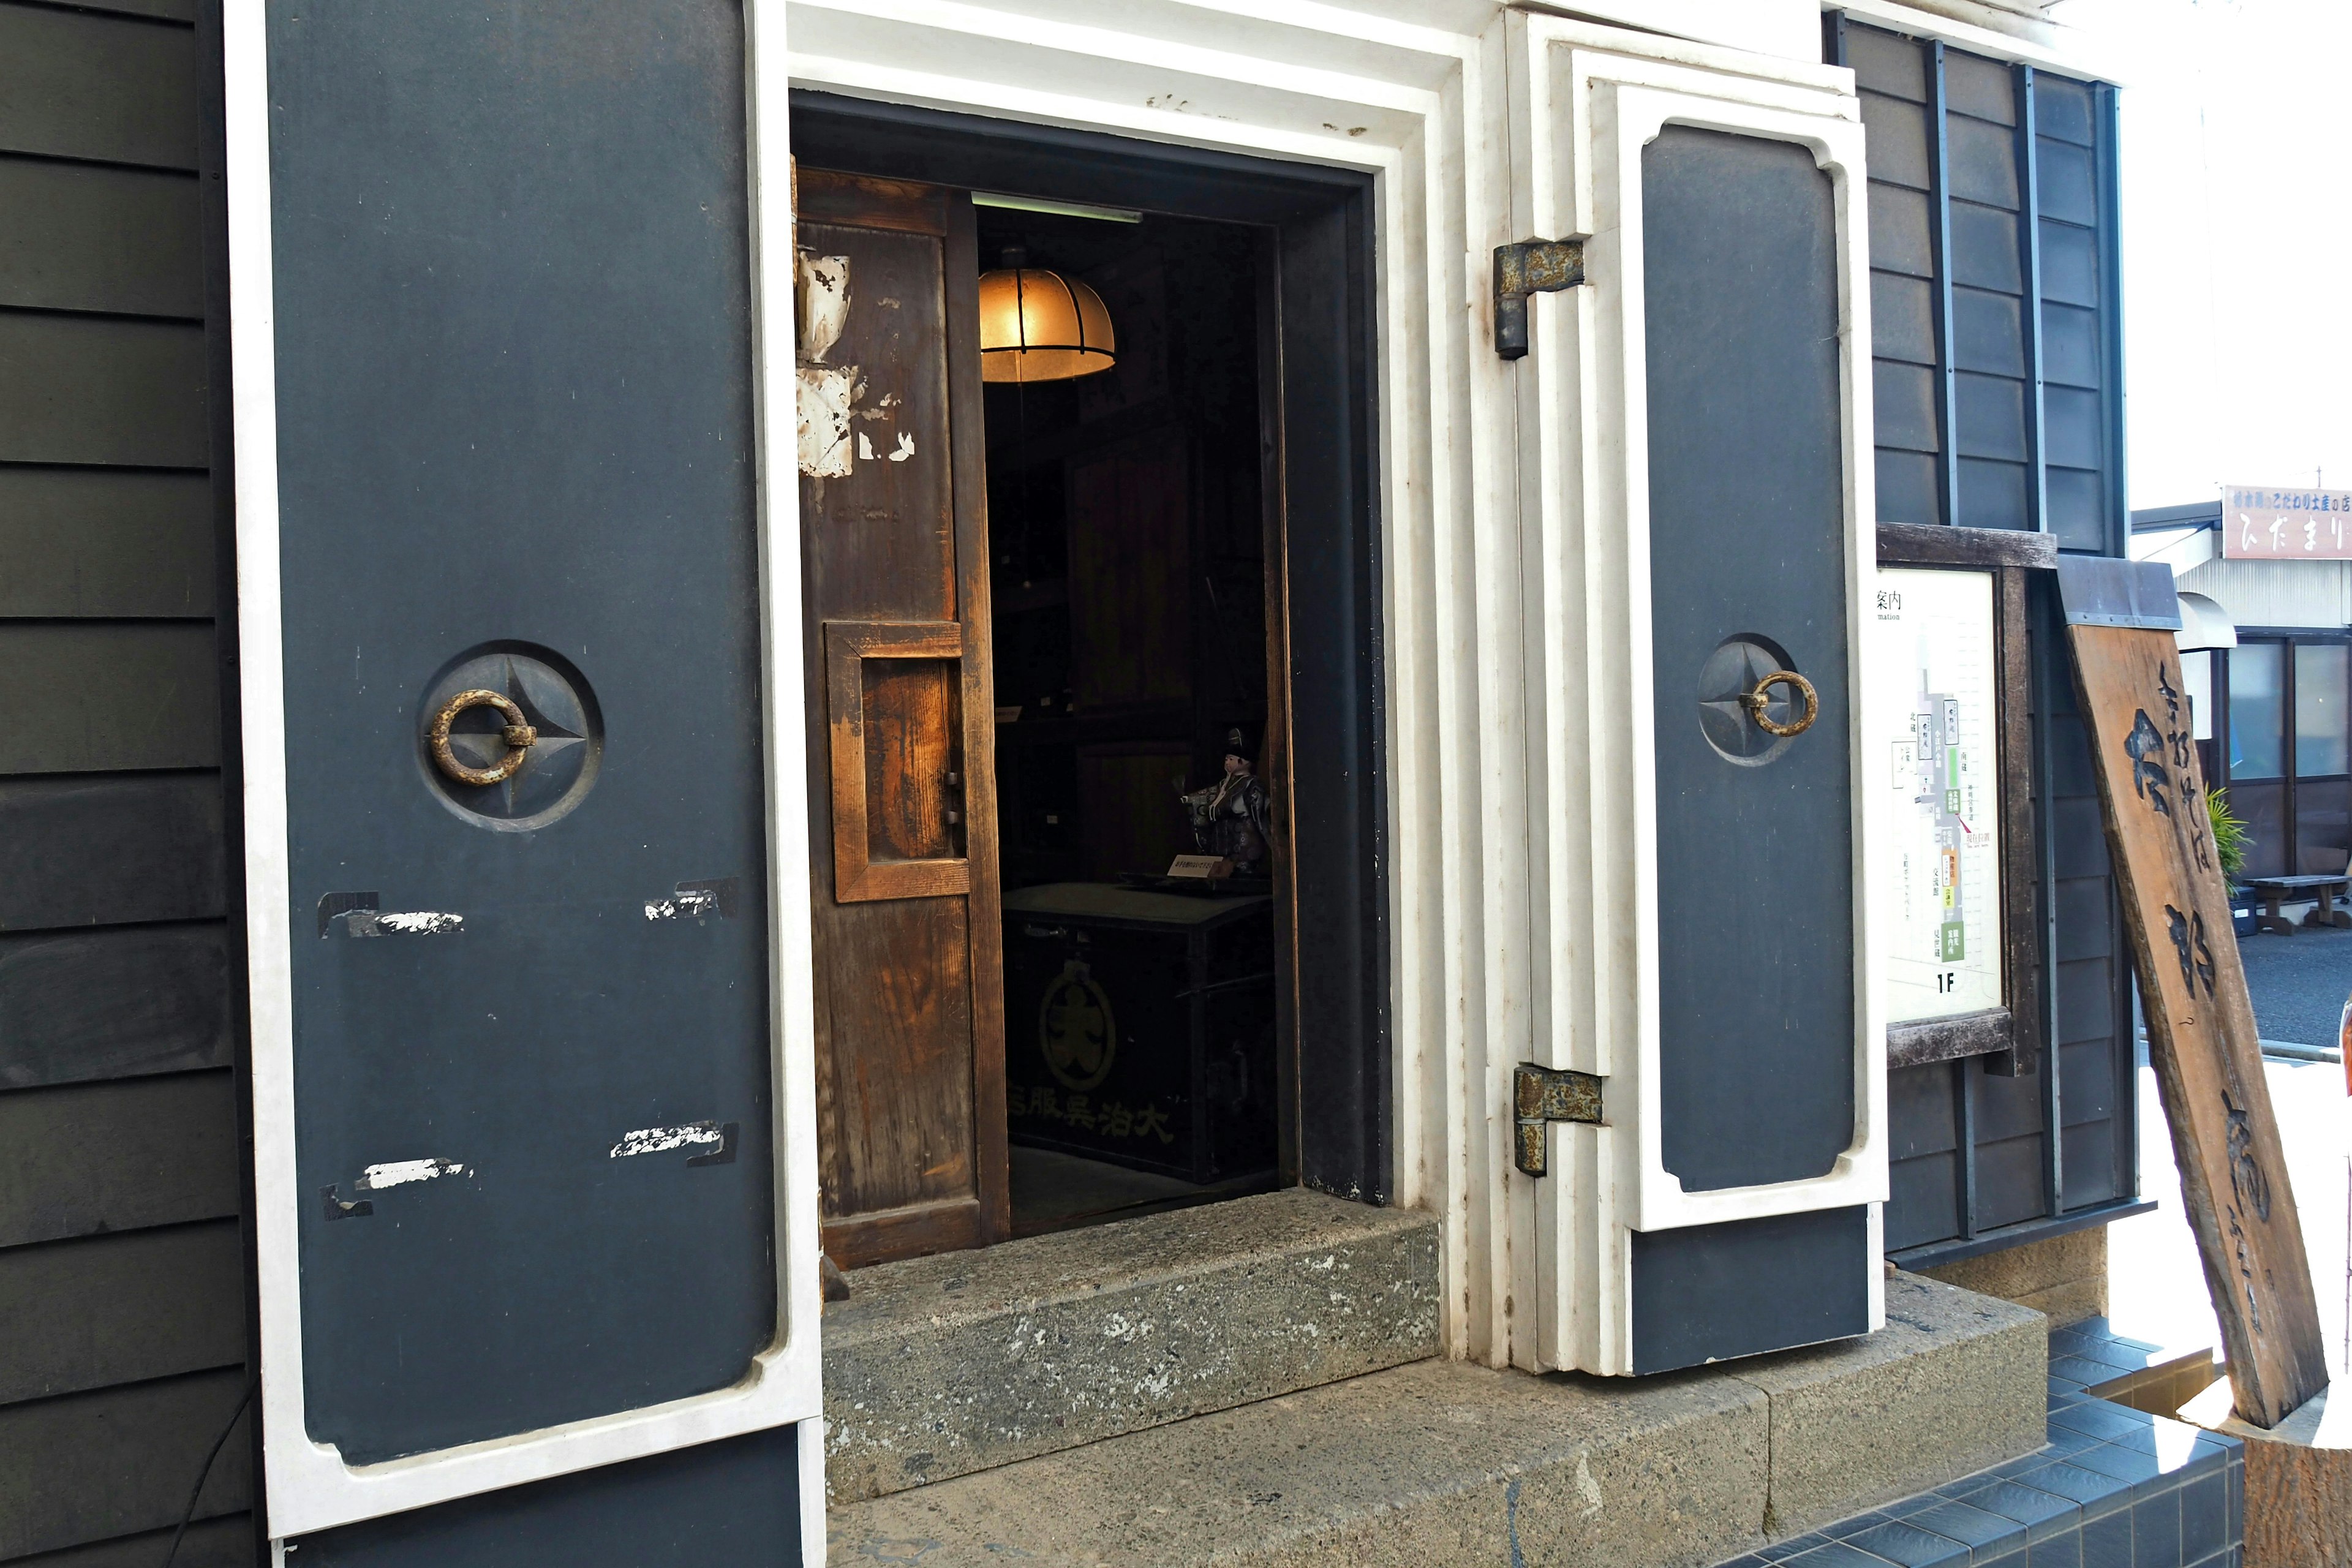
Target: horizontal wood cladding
224 1543
82 851
83 236
114 90
101 391
85 697
93 1465
104 1157
105 542
85 1005
78 1315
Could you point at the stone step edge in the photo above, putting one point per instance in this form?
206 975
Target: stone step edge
1442 1461
1262 1297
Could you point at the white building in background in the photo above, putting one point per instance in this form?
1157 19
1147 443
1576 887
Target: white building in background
2265 579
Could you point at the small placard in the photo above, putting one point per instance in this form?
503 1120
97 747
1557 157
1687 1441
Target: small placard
1215 868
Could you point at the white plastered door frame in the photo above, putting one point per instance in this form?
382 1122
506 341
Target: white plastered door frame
1585 116
308 1485
1509 663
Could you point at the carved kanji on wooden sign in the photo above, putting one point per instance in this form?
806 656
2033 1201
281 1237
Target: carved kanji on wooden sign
2200 1022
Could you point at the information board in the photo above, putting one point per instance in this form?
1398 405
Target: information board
1932 744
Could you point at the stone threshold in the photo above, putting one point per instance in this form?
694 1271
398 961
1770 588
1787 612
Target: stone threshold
2112 1488
938 1367
1440 1462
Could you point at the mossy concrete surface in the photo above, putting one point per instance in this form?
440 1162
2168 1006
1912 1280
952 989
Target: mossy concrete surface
939 1366
2064 1278
1439 1462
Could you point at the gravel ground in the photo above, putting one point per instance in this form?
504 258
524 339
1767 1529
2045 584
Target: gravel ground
2298 983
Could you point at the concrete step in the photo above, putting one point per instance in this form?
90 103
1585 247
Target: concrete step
940 1366
1440 1462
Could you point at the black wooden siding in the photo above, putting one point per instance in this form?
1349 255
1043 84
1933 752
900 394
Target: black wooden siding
124 1308
1996 344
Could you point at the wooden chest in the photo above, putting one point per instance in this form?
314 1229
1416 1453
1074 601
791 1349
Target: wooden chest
1140 1027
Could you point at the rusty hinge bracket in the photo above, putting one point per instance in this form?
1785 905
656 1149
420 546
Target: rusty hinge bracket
1543 1095
1529 266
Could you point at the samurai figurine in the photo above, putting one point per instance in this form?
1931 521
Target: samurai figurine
1229 818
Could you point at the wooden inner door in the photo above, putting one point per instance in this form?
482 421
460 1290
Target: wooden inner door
908 936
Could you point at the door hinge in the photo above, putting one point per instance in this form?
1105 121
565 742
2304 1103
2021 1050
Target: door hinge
1529 266
1545 1095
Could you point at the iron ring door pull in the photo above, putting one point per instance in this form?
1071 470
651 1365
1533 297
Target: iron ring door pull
519 736
1755 701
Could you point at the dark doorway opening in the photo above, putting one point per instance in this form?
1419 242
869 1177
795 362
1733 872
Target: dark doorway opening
1130 592
1175 547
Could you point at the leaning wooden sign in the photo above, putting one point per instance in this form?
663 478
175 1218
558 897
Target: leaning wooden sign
2200 1021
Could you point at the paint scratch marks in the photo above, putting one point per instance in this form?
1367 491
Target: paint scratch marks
400 1173
686 906
661 1140
423 922
697 900
418 922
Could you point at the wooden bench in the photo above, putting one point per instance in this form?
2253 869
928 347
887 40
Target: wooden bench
2276 891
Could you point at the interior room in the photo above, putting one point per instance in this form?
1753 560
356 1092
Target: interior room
1129 527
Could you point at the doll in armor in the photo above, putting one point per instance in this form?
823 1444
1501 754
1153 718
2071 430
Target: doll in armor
1229 818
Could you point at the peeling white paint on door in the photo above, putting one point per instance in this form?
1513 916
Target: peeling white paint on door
823 285
400 1173
419 923
660 1139
906 447
692 904
826 396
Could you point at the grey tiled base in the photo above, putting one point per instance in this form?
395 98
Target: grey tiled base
2113 1489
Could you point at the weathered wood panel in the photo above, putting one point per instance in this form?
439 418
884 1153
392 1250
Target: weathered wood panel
1130 552
86 697
2201 1032
78 1315
105 542
112 89
79 852
226 1542
895 1101
85 1158
93 1465
910 1044
1129 815
84 389
85 238
87 1005
155 10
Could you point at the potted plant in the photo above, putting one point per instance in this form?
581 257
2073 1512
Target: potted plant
2229 848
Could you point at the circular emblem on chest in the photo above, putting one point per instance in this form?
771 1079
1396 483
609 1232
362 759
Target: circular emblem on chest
1076 1031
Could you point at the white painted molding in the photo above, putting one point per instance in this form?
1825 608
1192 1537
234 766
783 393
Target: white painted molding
1583 115
308 1485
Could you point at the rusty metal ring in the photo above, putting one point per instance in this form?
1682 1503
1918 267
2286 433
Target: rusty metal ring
1754 701
518 734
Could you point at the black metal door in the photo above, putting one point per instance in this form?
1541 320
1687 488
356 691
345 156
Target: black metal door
1748 576
514 413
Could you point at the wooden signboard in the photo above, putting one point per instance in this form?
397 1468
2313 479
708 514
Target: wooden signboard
2200 1021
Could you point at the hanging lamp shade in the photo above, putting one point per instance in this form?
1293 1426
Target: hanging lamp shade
1036 325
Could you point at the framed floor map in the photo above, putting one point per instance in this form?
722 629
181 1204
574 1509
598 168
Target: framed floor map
1935 717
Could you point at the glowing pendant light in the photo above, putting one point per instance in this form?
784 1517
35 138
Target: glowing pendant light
1036 325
